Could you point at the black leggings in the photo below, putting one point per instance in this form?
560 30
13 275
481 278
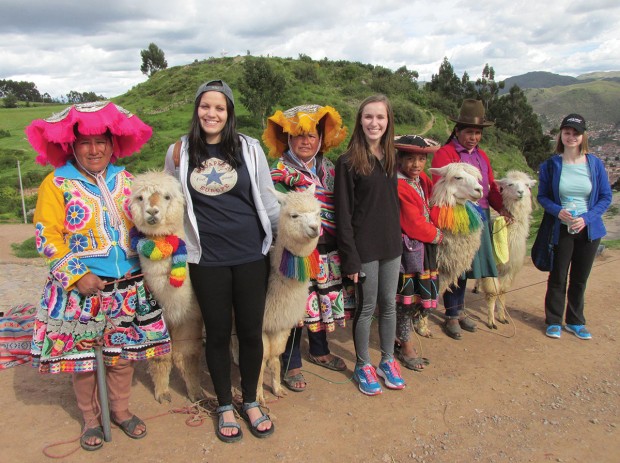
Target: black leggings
572 261
220 290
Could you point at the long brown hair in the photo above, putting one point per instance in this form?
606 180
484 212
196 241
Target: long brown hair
361 159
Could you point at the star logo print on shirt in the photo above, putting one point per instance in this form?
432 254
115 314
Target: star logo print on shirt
214 177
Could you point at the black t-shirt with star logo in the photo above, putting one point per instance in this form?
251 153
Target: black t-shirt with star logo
228 224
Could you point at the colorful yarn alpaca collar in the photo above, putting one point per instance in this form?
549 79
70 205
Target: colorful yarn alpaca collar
160 248
300 268
459 219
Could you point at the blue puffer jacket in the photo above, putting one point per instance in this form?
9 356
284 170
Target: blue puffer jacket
600 197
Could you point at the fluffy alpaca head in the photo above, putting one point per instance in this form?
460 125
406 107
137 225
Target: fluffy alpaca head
300 221
515 189
459 182
157 204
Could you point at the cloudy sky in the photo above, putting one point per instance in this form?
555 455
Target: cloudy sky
88 45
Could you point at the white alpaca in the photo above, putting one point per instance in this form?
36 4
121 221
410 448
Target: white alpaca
157 206
517 197
298 234
459 184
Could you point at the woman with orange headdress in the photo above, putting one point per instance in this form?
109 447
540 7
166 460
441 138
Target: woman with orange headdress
300 137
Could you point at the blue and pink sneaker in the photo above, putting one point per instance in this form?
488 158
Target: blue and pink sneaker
366 378
389 370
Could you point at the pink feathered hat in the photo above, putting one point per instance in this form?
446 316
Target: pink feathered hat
52 137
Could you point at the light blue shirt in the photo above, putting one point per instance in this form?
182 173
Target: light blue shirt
575 184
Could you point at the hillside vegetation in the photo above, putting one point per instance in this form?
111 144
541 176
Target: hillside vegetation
165 101
598 101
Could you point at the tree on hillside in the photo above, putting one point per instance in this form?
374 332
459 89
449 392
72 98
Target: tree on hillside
513 114
486 86
401 82
261 87
153 60
446 83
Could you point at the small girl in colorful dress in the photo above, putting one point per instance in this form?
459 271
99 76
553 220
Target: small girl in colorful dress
417 285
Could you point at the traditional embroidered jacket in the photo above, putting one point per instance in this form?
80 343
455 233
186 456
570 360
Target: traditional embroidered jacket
73 225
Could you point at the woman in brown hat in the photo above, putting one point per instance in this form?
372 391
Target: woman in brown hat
462 146
417 281
94 291
300 137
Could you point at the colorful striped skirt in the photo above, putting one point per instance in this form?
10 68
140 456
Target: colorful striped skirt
124 318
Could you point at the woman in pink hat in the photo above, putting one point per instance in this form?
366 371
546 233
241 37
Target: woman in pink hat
94 292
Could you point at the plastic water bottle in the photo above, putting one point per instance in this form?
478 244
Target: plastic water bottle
571 207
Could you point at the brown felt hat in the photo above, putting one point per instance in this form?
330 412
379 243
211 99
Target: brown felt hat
472 114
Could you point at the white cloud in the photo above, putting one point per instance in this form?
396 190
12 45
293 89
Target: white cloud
95 46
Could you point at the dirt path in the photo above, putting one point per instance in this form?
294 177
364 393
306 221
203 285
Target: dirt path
429 124
511 395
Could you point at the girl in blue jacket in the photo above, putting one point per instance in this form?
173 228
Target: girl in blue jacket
572 176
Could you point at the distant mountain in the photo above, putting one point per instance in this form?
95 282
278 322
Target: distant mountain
594 95
605 75
538 79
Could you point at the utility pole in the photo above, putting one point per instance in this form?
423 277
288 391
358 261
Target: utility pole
21 190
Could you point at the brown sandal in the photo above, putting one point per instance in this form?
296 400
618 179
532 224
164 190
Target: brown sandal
335 364
290 381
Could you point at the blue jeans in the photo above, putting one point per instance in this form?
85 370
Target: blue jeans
291 357
454 302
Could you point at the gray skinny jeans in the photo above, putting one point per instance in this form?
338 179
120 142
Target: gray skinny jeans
379 288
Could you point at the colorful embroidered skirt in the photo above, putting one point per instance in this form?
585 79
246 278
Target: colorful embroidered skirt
418 291
327 304
124 317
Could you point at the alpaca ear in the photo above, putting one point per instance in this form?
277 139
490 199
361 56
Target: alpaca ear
438 171
531 183
281 197
311 189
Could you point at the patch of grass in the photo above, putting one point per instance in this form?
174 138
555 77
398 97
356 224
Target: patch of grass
612 211
611 244
27 249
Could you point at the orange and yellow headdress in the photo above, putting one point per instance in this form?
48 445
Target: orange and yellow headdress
301 120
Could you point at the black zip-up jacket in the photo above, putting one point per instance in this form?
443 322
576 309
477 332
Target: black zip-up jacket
367 216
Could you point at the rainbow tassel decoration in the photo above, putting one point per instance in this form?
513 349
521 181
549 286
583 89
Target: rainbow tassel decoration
459 219
300 268
160 248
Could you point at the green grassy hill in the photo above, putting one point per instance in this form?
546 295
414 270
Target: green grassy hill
597 101
165 101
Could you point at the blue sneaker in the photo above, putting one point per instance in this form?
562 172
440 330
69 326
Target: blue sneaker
366 378
554 331
389 370
579 330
